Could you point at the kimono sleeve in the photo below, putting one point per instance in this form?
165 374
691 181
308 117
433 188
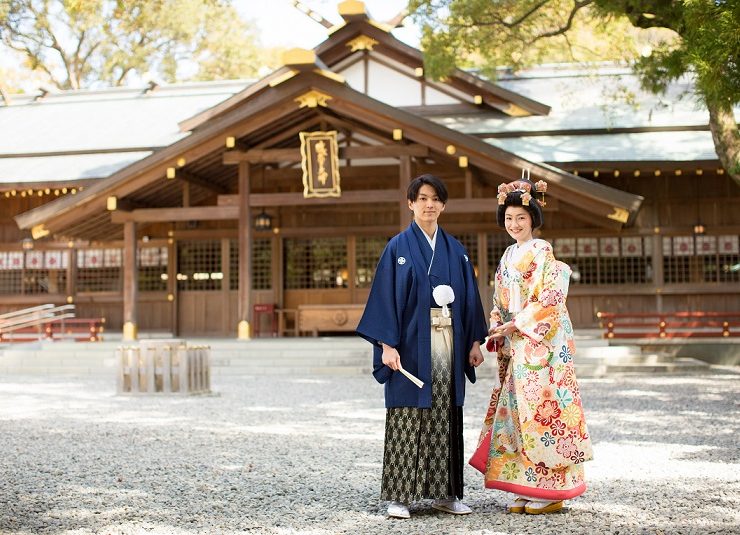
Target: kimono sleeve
495 318
546 301
379 322
475 324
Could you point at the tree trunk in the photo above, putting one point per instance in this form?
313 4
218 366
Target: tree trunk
726 137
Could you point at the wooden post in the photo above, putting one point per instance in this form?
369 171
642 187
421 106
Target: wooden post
658 275
404 177
130 281
485 292
71 275
245 256
172 285
277 271
468 183
226 324
186 194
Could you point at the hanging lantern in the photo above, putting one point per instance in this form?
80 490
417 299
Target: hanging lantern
263 221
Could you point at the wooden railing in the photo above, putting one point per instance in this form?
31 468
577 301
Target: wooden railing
49 322
670 325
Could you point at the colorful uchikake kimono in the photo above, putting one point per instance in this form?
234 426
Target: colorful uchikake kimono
423 454
534 439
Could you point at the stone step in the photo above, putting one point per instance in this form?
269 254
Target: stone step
309 356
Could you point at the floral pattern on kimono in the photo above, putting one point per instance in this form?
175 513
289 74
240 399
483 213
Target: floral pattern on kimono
539 438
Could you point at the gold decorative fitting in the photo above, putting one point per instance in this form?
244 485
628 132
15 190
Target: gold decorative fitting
362 42
242 330
181 162
451 149
657 172
636 173
596 173
387 28
171 172
299 56
111 203
39 231
699 172
478 99
129 331
330 75
312 99
419 72
720 171
397 134
620 214
678 172
283 77
462 161
70 299
515 111
170 297
351 7
616 173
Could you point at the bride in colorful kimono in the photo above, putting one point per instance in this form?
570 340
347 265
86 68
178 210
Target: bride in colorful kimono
534 439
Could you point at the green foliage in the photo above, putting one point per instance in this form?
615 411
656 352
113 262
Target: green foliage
697 37
517 34
708 44
78 43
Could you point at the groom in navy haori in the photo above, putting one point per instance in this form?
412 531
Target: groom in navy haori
426 323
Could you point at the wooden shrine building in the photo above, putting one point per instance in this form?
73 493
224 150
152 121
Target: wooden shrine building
282 194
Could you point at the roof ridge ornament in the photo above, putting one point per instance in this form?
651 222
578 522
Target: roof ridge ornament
362 42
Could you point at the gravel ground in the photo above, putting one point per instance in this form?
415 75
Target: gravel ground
303 455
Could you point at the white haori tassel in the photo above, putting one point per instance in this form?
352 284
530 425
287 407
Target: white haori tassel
444 295
515 298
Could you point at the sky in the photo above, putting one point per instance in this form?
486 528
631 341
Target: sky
282 24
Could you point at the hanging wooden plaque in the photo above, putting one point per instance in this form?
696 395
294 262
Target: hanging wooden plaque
320 163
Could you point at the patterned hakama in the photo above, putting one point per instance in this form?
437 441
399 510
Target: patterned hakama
423 447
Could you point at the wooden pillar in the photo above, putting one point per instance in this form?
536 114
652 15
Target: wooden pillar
351 267
277 271
245 255
658 274
71 275
186 194
468 183
486 293
130 281
404 177
172 286
226 324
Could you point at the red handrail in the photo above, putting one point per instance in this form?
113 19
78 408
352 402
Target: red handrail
704 324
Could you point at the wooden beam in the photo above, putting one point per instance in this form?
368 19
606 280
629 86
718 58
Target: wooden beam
200 181
195 213
297 199
354 153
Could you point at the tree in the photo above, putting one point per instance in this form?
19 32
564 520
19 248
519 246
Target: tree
78 43
703 40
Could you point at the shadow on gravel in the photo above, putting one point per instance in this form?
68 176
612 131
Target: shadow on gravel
283 456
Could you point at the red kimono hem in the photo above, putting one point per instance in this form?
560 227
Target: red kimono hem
533 492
